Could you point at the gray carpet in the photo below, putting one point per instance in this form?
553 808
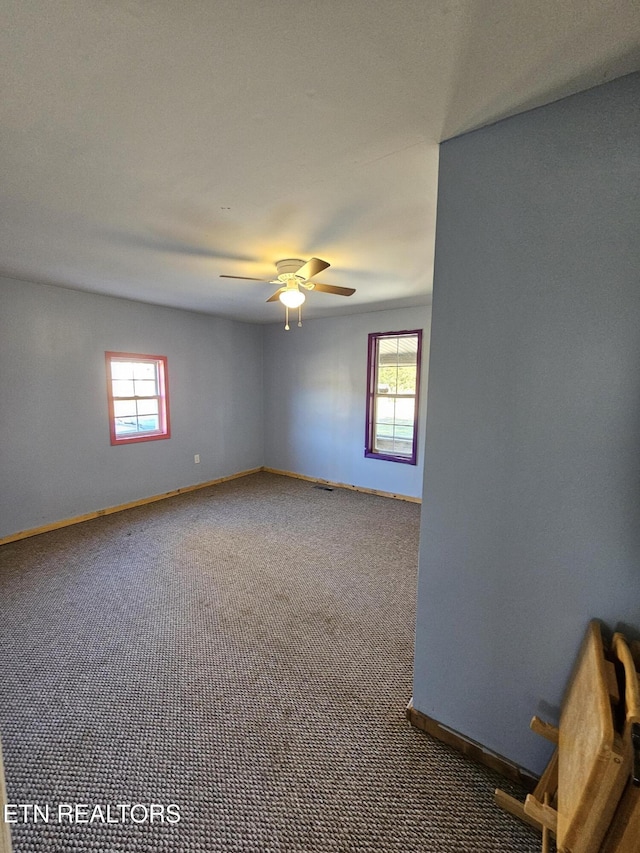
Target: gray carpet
244 652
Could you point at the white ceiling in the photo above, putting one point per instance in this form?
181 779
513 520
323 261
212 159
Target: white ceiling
147 146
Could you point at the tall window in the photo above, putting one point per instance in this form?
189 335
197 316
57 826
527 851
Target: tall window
393 380
138 399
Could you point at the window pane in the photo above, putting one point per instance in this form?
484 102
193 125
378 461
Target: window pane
384 423
148 422
383 444
384 440
385 409
408 350
137 425
121 369
403 447
122 388
407 379
148 407
144 370
405 409
123 408
145 388
388 380
403 432
126 426
384 430
387 347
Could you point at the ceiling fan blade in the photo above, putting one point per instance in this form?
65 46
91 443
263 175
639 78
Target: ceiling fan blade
329 288
245 278
275 296
311 268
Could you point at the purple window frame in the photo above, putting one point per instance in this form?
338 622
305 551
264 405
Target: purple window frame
372 385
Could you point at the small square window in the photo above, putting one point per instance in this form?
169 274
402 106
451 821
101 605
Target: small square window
137 394
393 380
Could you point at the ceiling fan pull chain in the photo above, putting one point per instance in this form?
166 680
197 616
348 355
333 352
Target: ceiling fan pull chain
286 318
299 315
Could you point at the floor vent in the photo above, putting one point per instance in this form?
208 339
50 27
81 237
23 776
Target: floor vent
324 488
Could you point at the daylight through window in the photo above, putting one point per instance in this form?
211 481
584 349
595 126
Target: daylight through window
392 401
137 396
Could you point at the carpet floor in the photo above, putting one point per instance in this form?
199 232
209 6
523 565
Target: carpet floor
243 652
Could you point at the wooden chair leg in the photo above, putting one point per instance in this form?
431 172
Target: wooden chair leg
545 831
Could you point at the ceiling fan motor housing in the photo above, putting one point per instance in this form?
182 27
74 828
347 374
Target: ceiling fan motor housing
287 269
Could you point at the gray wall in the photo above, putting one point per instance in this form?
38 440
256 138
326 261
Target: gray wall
531 512
56 460
315 395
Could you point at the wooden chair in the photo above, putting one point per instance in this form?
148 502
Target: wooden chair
579 791
624 833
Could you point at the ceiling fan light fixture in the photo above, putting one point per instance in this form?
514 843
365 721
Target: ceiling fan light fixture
292 274
292 297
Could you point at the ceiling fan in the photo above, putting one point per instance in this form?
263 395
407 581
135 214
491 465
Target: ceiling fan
292 274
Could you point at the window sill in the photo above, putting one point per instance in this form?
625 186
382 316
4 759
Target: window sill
388 457
136 439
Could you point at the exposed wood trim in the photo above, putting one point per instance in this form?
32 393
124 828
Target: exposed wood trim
5 832
343 485
470 748
66 522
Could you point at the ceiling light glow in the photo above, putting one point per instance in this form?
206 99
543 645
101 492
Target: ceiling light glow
292 297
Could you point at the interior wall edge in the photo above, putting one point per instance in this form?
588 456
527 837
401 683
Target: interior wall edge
478 752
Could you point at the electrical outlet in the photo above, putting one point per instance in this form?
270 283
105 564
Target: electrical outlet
196 458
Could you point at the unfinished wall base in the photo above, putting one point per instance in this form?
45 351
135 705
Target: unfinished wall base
344 486
66 522
470 748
